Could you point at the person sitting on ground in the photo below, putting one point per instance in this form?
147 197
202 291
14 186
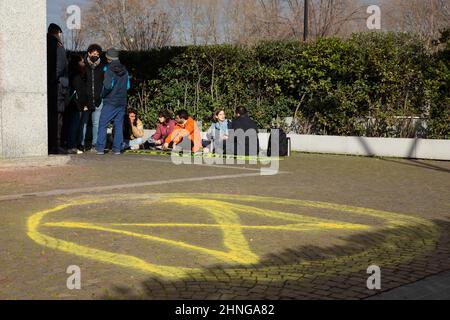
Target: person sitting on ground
186 132
133 131
218 133
165 127
245 134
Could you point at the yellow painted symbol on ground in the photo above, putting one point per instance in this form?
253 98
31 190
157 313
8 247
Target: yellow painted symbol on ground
226 211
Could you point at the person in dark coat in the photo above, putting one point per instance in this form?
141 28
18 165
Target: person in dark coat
58 88
78 105
95 72
115 99
244 134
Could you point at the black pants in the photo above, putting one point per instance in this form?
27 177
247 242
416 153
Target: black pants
57 124
56 134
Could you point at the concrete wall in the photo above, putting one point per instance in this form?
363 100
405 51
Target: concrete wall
383 147
23 78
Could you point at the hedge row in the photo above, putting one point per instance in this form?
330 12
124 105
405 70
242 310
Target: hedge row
372 84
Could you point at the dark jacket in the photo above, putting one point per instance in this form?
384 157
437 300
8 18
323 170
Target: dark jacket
78 92
116 85
245 136
95 76
57 74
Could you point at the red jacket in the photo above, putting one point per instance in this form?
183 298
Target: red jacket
163 130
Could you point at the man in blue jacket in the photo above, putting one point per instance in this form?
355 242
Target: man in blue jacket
115 88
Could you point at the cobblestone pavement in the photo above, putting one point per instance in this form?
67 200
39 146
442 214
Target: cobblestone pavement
140 227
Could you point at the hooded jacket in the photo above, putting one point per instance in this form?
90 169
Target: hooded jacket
116 85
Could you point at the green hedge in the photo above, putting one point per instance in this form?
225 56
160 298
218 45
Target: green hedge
365 85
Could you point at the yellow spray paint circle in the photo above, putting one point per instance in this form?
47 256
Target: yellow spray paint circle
405 237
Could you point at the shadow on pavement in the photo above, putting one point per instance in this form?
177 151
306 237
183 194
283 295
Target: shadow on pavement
419 164
409 161
336 272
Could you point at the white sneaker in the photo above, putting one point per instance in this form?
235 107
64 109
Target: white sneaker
80 152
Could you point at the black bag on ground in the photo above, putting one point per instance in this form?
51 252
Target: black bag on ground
283 145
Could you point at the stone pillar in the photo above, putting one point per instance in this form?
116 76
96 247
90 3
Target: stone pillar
23 78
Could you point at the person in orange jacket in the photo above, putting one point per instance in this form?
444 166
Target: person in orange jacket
186 128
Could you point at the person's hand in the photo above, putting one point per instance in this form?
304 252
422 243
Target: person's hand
166 146
158 142
86 109
131 118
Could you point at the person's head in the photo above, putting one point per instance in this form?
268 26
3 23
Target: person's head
55 30
112 55
241 111
132 115
220 115
94 52
77 64
182 116
164 116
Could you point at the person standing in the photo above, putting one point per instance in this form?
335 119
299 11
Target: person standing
115 89
78 105
57 87
95 71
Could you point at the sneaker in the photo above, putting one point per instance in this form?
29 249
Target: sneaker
80 151
100 153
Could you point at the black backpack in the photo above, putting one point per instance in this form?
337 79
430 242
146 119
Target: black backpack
283 144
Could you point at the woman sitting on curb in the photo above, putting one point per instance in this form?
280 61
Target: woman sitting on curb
165 127
218 133
133 131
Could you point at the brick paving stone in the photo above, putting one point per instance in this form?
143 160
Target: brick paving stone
326 276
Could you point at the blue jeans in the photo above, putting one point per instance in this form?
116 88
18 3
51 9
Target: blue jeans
84 119
95 124
132 143
117 115
78 127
